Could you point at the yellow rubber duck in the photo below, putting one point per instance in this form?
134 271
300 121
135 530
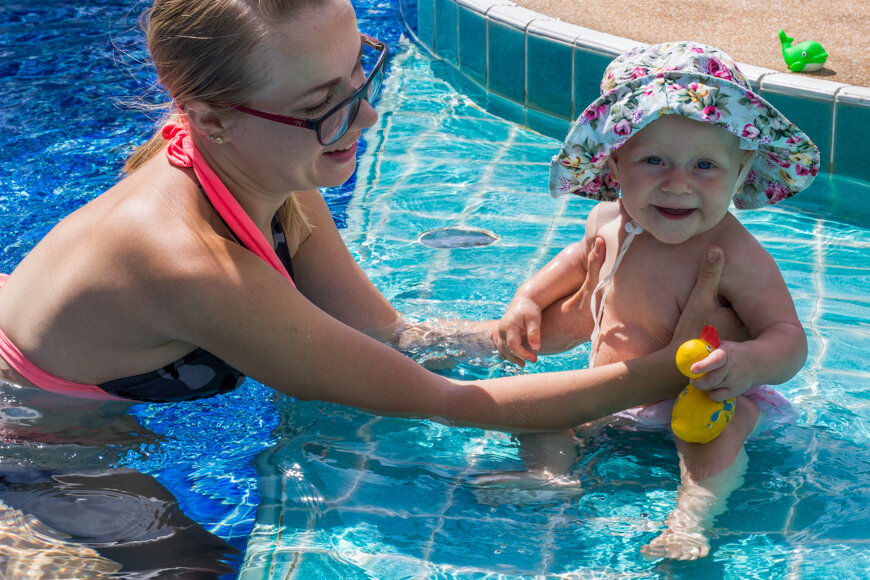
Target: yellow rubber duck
696 418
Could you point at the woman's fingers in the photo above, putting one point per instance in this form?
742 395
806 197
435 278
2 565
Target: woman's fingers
582 300
703 303
594 263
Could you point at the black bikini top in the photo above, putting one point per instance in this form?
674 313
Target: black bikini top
198 374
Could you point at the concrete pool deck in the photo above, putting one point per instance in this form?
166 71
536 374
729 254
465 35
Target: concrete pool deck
746 29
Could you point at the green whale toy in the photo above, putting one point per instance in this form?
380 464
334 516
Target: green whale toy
806 56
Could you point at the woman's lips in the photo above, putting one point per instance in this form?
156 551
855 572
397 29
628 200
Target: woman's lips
343 155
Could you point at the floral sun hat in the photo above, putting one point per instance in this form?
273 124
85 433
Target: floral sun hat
699 82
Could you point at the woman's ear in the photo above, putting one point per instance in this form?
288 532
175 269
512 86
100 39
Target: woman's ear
207 120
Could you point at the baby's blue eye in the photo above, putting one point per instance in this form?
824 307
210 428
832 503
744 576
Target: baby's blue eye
705 165
654 160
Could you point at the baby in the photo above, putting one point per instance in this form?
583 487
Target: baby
675 138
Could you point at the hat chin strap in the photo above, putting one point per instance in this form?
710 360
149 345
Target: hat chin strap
744 171
633 228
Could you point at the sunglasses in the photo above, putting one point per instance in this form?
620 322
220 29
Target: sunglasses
332 125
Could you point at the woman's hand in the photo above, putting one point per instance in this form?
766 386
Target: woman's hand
704 306
578 308
568 322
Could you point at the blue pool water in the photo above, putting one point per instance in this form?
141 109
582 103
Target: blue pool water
312 490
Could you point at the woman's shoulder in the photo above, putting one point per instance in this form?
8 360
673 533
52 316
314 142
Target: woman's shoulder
153 225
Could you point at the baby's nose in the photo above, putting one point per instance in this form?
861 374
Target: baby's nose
676 181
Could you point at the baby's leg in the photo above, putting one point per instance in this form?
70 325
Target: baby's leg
547 458
709 473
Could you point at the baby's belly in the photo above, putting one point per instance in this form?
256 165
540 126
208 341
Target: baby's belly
624 342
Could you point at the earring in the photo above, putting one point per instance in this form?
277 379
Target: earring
217 139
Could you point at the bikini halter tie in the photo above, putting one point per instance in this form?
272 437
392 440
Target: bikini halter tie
633 229
181 152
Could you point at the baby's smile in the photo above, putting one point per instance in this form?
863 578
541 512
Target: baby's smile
674 212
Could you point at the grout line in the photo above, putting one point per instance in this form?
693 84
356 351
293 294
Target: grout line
428 548
819 269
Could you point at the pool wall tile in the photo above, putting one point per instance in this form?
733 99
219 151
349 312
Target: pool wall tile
809 104
426 23
754 74
549 61
506 50
851 125
520 59
446 30
549 125
506 108
472 42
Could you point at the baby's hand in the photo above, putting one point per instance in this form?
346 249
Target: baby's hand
727 374
519 331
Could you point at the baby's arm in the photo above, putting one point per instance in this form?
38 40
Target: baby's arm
777 348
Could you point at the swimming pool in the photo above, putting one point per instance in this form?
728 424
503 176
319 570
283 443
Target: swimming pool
346 494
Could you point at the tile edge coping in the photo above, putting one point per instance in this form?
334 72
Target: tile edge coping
528 21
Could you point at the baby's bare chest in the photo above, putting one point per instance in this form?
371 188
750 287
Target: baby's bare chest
647 296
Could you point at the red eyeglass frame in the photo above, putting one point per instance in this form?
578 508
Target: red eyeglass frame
359 94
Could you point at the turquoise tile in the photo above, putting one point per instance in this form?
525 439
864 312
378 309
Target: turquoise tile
588 69
446 30
812 116
472 88
506 74
548 125
426 23
851 149
505 108
548 67
472 44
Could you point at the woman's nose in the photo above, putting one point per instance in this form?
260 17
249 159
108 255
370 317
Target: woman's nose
366 116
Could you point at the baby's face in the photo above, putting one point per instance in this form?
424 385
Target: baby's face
677 176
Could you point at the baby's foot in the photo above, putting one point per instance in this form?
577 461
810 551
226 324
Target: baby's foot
678 545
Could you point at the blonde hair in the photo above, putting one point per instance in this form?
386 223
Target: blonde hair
204 50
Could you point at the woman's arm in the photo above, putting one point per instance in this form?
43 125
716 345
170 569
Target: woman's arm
330 278
256 322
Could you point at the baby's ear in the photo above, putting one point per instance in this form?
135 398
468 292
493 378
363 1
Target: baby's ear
611 162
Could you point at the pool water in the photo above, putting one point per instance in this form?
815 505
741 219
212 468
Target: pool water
360 496
314 490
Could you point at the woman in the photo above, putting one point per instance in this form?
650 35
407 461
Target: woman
152 296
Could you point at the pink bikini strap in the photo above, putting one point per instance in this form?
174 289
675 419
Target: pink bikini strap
182 153
47 381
